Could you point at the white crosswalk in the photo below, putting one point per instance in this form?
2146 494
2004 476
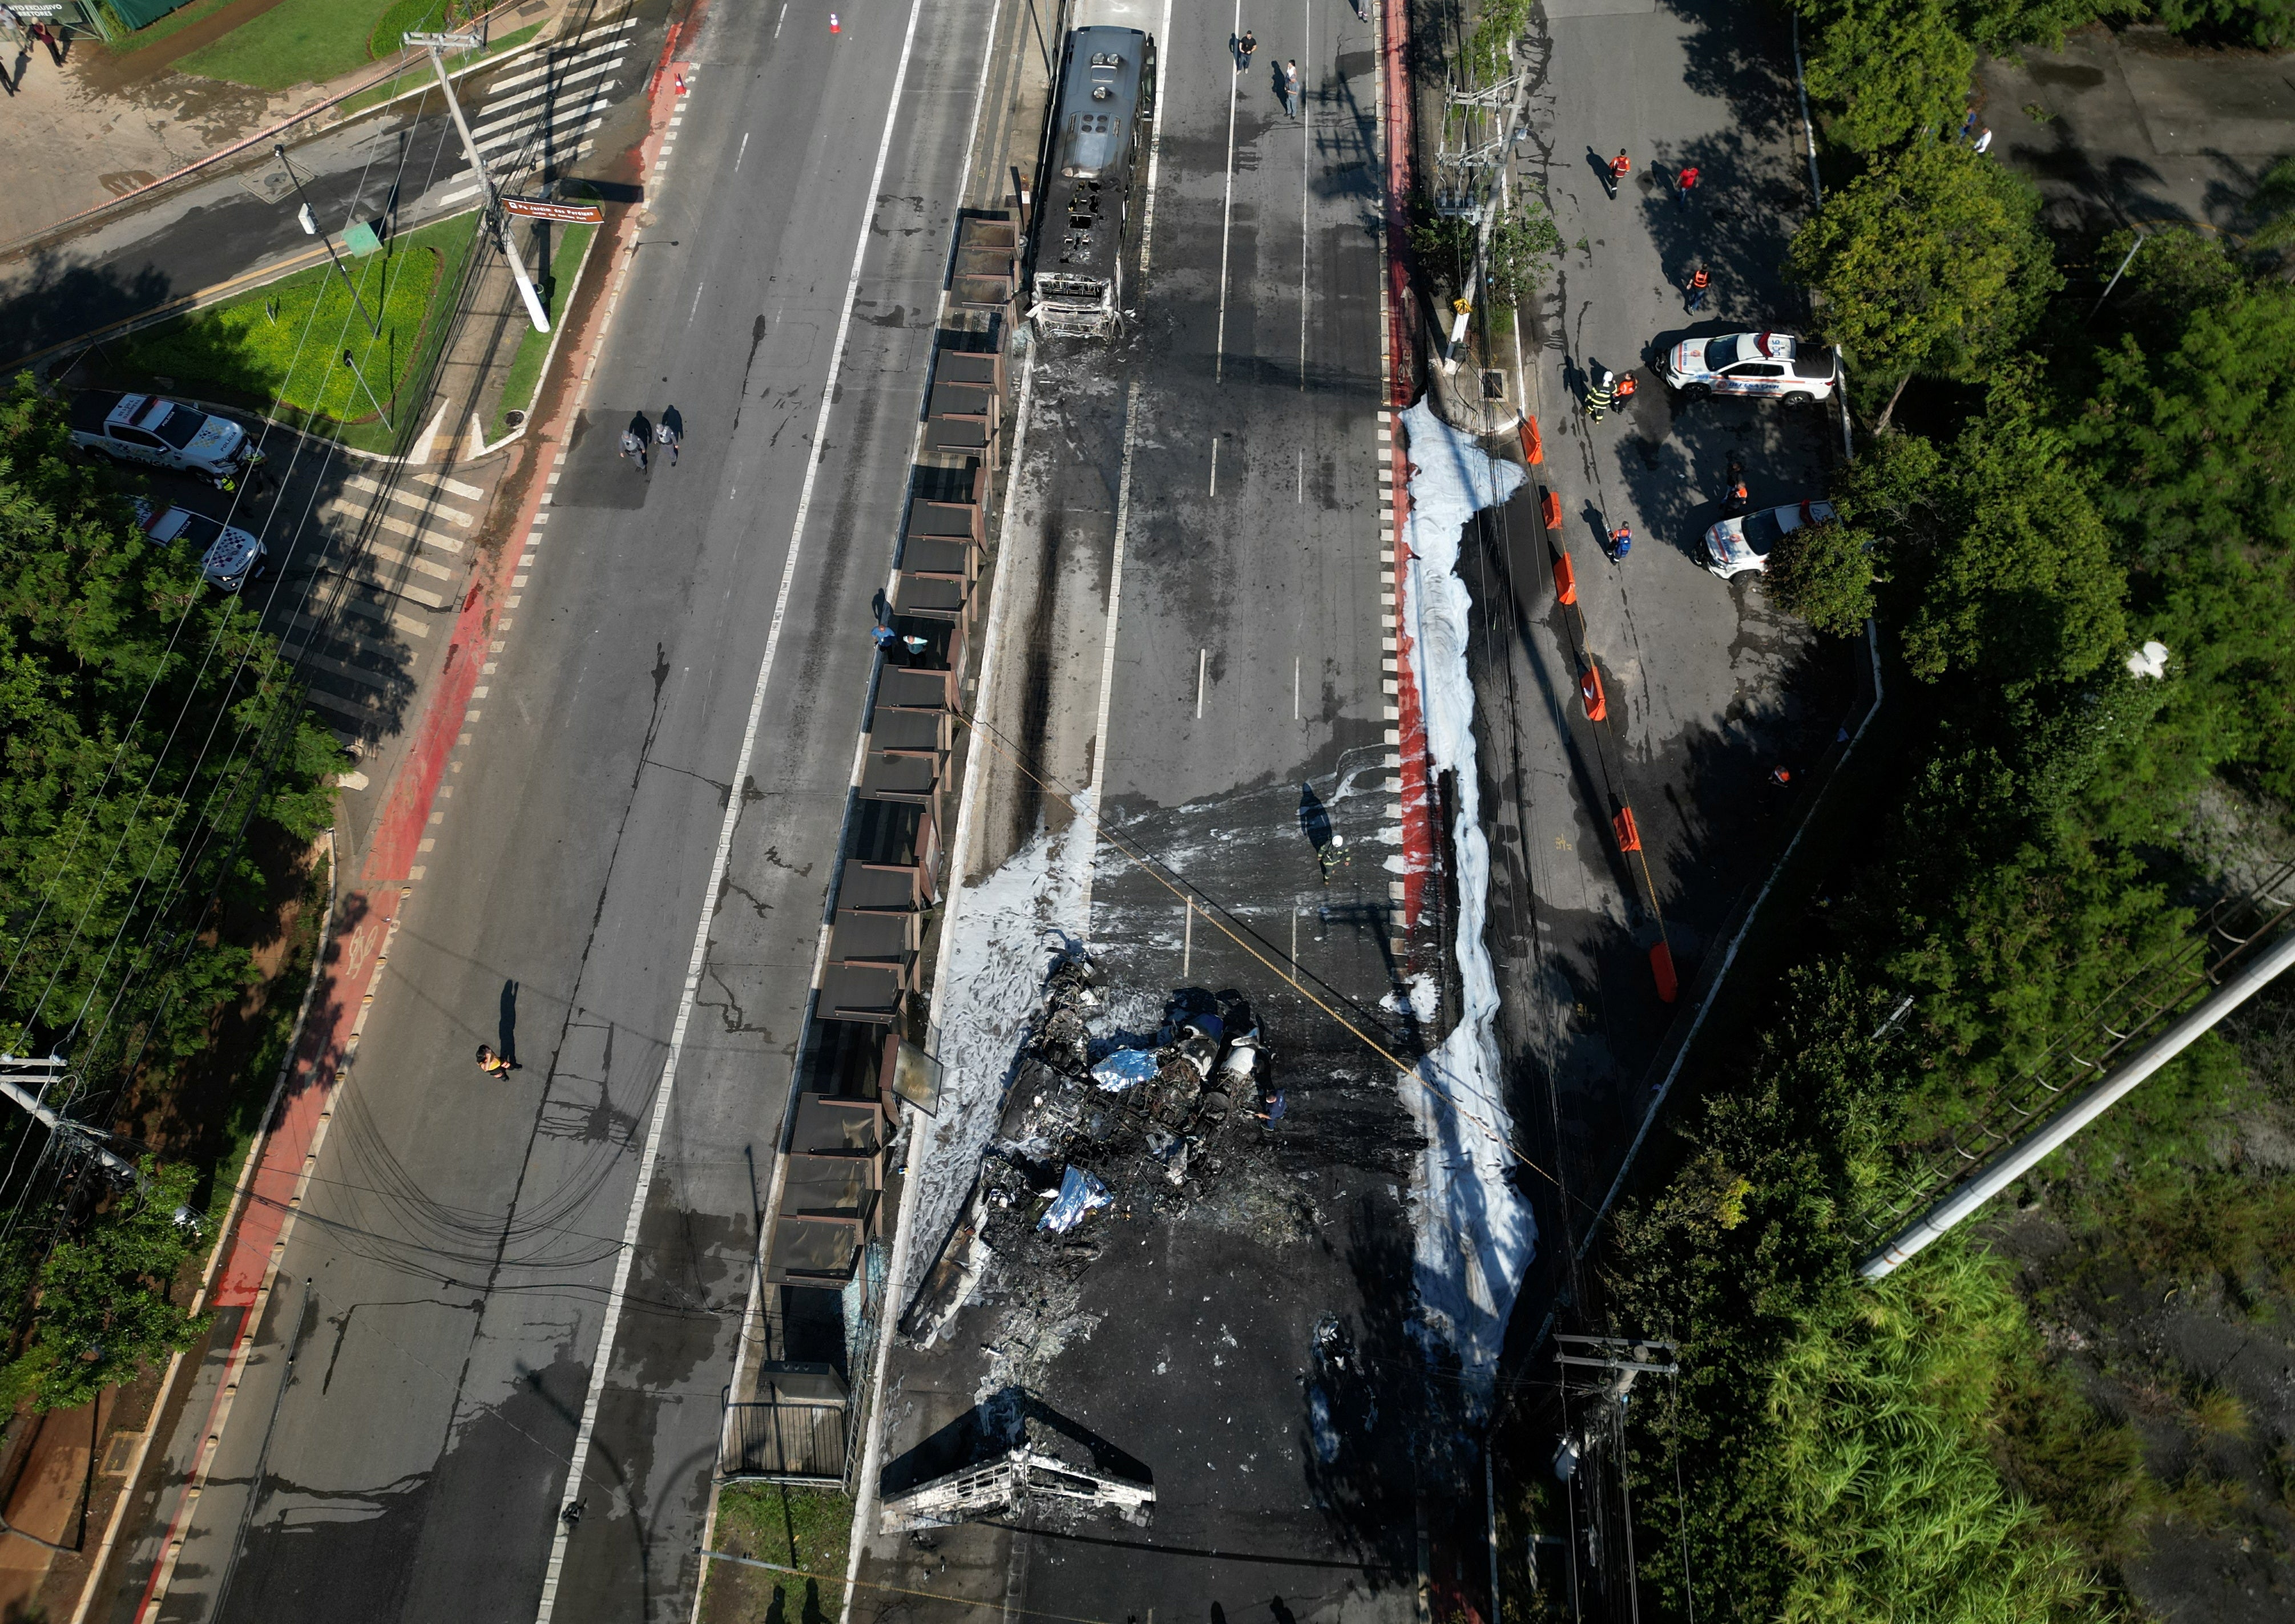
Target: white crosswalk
546 115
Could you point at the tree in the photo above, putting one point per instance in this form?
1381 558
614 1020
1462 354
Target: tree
1521 239
2023 588
2191 435
1995 25
145 720
1895 68
1823 574
104 1310
1929 262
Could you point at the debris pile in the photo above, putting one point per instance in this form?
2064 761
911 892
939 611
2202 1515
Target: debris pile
1140 1131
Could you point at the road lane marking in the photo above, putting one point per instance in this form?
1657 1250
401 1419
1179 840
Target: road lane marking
1214 465
1091 848
1203 664
1295 687
739 156
1227 207
601 1362
1306 193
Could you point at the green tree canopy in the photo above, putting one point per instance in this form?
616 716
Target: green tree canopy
1929 262
2189 427
102 1310
1823 574
144 720
1897 69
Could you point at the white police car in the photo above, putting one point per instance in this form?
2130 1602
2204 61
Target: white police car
1736 546
165 433
1773 365
229 556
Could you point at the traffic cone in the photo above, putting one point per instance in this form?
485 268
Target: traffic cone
1549 508
1589 688
680 77
1669 984
1533 445
1565 580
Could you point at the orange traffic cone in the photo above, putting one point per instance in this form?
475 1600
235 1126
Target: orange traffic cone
1565 580
1589 686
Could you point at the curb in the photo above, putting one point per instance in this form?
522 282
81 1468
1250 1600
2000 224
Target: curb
224 1238
88 216
291 1150
479 446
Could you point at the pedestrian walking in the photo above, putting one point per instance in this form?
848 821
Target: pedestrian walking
1244 46
1625 390
46 35
1621 167
1333 854
1685 181
884 637
1737 501
1701 283
1621 542
1968 125
634 446
669 432
492 1063
1984 139
917 647
1601 396
1291 88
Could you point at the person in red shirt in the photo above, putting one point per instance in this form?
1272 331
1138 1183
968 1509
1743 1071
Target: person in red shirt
1684 179
1621 167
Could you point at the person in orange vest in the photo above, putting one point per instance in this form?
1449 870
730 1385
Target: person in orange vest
492 1063
1700 283
1621 167
1625 388
1621 542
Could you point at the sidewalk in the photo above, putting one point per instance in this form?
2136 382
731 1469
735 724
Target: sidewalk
103 127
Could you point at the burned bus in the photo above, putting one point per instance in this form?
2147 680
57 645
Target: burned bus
1093 151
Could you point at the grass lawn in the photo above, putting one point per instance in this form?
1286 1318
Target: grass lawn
408 80
557 293
174 23
291 365
809 1529
300 41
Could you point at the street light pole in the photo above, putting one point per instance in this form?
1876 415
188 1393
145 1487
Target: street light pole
14 1067
437 44
379 411
311 223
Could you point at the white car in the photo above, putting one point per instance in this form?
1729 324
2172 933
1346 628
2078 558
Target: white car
1736 545
1772 365
163 433
229 556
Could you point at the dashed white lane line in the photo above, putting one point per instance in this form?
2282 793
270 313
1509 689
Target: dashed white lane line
601 1363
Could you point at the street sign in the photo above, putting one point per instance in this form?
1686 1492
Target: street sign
37 10
535 209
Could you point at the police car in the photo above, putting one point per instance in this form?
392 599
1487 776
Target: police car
229 556
163 433
1736 546
1775 365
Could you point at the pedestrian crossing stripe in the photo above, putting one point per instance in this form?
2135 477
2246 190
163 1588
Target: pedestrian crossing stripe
497 108
596 40
412 499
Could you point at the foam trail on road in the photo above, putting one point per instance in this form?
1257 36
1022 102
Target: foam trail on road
1016 926
1475 1234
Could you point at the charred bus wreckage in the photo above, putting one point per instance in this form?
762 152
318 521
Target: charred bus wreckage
1136 1133
1090 168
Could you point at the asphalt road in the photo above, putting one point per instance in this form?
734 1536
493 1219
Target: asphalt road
539 117
442 1301
1709 688
1244 723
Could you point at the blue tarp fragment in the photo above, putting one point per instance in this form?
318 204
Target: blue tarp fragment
1080 1193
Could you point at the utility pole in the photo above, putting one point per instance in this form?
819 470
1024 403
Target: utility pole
15 1071
438 45
310 220
2019 1157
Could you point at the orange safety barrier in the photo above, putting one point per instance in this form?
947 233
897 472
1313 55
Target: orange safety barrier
1550 506
1668 985
1565 580
1597 706
1630 835
1533 445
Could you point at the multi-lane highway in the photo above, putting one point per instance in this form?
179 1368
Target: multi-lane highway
624 887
